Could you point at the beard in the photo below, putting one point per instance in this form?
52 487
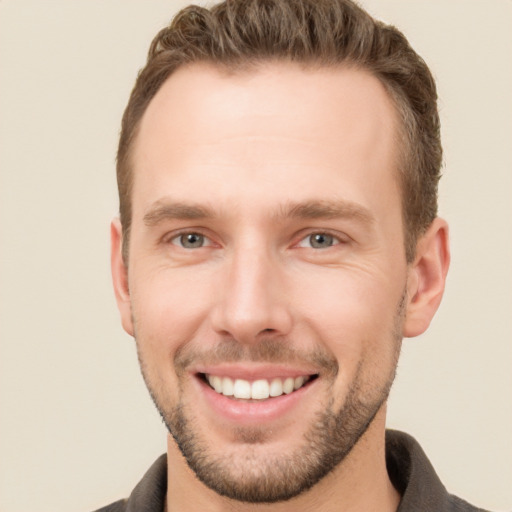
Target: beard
250 473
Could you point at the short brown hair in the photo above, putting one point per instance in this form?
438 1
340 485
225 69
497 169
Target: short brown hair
238 34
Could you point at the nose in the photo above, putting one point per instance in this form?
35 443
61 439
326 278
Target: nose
252 300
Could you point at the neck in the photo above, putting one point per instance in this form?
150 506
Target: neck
360 483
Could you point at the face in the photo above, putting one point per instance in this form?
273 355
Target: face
267 274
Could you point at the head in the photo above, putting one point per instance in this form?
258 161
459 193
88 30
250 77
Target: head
238 36
278 236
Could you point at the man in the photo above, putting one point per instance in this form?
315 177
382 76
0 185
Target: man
278 237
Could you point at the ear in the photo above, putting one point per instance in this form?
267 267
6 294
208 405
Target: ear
427 277
120 276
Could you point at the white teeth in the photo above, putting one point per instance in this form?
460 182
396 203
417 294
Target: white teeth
216 383
258 390
299 381
276 387
288 385
242 389
227 386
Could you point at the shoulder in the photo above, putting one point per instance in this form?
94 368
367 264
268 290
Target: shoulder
148 495
459 505
416 480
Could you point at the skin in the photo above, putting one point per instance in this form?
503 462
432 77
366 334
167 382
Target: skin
257 162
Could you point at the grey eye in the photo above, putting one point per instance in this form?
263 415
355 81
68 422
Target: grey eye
321 240
191 240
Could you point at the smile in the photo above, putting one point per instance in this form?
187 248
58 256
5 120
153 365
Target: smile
261 389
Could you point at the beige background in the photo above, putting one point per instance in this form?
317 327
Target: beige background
77 429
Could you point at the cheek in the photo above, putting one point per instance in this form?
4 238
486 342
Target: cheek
169 308
346 300
352 316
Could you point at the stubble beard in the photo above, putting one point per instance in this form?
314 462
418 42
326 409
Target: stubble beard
254 476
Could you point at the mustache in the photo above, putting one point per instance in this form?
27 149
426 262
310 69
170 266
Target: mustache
268 350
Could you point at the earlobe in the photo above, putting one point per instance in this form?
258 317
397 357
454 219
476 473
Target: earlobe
427 277
120 276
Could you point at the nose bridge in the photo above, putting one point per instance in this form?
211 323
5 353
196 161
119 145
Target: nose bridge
252 300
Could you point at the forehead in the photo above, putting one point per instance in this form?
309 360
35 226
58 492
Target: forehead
277 123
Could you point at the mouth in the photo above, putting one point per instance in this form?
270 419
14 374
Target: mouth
256 390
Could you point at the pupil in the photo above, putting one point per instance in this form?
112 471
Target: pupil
192 240
320 240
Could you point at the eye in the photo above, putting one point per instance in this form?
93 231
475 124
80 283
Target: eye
319 241
190 240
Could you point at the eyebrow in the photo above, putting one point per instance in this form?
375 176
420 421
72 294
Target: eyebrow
166 209
327 209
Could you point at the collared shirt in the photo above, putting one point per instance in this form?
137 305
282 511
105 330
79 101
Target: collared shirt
409 470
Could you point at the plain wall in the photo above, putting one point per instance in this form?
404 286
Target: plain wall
77 428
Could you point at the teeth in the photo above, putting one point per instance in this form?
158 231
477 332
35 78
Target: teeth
298 383
260 389
257 390
227 386
288 385
216 383
242 389
276 387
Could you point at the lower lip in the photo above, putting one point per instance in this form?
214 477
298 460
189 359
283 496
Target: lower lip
254 412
